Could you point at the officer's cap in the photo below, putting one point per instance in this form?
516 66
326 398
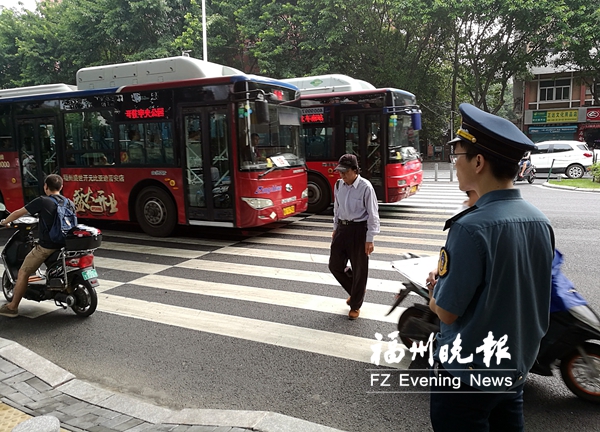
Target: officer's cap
494 135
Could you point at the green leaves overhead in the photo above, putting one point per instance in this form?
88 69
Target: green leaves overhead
444 51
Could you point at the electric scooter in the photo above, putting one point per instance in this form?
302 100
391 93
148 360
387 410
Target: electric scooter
572 342
70 277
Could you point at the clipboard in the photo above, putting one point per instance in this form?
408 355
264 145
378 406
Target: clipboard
416 270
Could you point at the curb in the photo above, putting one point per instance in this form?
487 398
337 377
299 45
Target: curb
572 188
65 383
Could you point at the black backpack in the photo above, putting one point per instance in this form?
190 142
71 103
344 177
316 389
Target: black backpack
65 219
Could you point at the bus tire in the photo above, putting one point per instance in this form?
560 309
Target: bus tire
156 212
319 194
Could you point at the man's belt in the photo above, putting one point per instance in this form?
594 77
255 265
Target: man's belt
347 222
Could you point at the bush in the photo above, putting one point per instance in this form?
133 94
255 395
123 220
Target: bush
595 172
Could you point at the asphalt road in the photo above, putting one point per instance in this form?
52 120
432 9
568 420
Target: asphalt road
179 366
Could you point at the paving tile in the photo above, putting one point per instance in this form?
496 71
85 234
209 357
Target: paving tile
121 418
201 429
19 398
223 429
26 389
102 412
145 427
75 409
100 429
61 416
5 389
6 366
84 422
129 424
49 408
67 400
180 428
20 377
35 405
8 375
161 428
38 384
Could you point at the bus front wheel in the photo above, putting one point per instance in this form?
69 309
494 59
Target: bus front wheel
319 193
156 212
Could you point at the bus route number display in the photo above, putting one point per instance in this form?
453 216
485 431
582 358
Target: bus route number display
313 115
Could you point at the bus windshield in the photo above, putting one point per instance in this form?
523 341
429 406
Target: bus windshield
262 145
402 139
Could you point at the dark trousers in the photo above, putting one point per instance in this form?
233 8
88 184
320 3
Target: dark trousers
475 412
349 244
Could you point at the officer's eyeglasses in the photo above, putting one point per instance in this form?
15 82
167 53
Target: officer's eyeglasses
454 156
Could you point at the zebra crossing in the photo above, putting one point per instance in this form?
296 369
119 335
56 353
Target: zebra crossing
275 278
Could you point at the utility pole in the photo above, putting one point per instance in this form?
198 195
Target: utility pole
204 44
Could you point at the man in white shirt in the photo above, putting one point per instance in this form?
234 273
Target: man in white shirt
355 224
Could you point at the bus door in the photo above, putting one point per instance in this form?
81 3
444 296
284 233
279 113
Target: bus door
37 152
363 137
208 165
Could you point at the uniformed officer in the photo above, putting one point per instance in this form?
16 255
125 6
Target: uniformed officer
493 291
355 224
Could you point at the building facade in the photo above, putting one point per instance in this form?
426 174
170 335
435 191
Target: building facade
558 105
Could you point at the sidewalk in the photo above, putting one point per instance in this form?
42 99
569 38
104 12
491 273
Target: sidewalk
32 386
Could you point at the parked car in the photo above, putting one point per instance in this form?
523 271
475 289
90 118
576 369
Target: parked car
570 157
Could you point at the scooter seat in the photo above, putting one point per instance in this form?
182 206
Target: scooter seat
52 258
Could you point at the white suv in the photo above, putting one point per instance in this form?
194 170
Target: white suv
570 157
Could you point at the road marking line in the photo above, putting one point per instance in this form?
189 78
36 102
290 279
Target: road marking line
317 303
293 256
281 335
152 250
284 274
381 238
326 245
128 265
384 229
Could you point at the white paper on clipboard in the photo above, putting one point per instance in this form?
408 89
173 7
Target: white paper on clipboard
416 270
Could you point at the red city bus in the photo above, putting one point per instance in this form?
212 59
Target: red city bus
380 126
161 142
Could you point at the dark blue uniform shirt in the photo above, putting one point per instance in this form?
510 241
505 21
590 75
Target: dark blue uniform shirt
498 262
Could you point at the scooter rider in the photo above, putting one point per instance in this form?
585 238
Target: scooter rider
524 163
46 207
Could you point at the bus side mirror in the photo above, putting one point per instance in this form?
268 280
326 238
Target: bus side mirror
416 120
262 111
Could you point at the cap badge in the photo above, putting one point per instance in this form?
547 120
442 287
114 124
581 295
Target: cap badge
466 135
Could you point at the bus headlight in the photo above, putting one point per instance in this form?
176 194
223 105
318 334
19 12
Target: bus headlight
304 193
401 182
258 203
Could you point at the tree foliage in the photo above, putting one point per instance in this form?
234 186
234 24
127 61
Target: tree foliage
444 51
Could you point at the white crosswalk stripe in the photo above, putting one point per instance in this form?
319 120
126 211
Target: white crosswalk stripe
300 250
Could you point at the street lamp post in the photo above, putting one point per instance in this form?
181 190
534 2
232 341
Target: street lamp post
204 48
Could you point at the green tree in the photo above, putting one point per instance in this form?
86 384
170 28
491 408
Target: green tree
498 39
10 65
578 44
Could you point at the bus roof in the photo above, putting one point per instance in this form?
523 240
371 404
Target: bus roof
149 72
65 91
332 83
401 97
36 90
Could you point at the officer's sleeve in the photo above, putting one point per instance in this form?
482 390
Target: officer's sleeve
463 273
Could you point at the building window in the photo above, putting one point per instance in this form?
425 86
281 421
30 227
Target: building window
555 90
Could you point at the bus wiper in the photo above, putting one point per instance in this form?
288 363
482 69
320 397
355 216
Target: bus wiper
270 170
